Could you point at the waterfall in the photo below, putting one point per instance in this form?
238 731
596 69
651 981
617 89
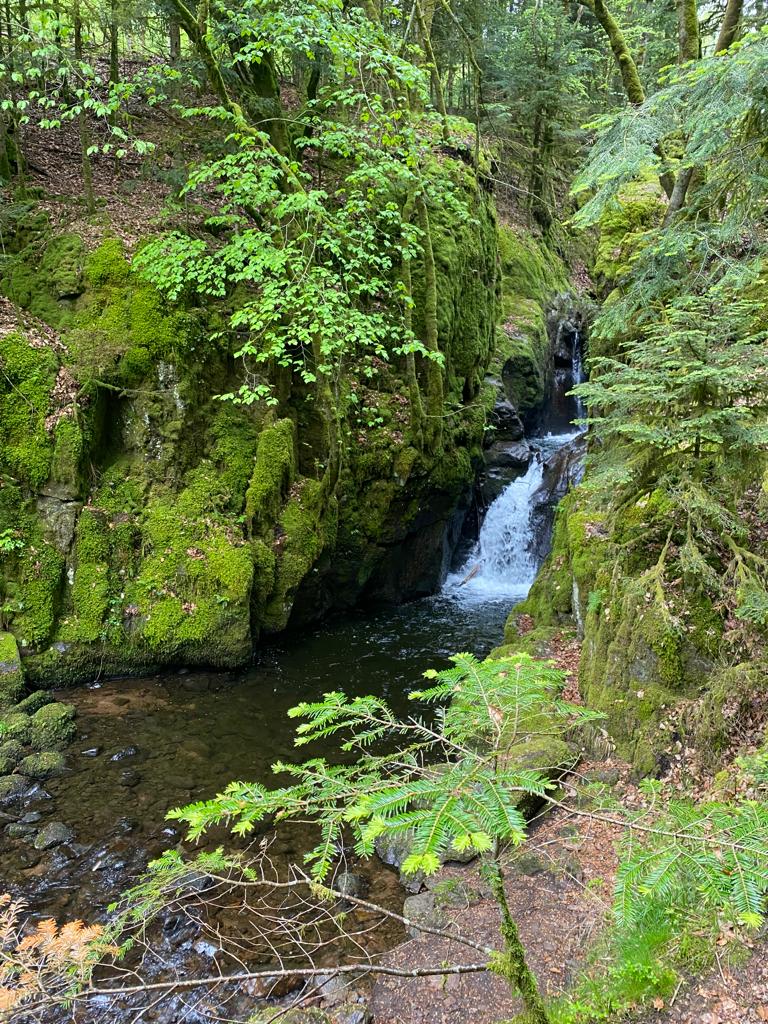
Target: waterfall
502 564
577 374
515 533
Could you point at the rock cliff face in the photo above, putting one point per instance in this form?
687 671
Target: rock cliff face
145 522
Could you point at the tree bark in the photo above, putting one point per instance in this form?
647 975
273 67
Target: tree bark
514 966
82 124
688 30
730 25
630 76
174 41
726 37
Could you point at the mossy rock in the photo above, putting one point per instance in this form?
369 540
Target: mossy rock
11 752
15 726
273 473
43 765
36 700
27 380
638 207
52 727
11 671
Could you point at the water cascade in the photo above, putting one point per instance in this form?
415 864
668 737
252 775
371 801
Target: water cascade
514 537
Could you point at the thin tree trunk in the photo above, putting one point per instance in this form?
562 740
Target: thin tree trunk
514 966
82 124
174 40
727 35
630 76
730 25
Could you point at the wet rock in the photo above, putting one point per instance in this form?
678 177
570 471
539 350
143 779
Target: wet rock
333 989
124 754
273 986
129 778
126 825
195 684
508 455
350 884
43 765
91 752
53 834
12 788
28 857
529 864
504 417
31 817
352 1013
20 830
422 909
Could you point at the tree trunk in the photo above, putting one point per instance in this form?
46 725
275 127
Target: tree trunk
82 124
514 965
174 41
689 47
630 76
730 26
727 35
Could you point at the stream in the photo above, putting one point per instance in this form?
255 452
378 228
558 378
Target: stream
145 745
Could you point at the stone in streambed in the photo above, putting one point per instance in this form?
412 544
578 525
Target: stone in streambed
43 765
12 788
35 701
52 727
55 833
11 753
423 909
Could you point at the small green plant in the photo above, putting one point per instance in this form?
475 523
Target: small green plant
10 542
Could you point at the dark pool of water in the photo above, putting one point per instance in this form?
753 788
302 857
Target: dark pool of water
149 744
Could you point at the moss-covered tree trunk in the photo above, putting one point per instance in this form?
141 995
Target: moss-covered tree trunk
513 964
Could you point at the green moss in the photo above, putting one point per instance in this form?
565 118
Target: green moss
305 529
107 264
11 752
40 580
36 700
529 269
638 207
11 672
43 765
68 451
27 379
61 267
52 727
15 726
272 475
90 600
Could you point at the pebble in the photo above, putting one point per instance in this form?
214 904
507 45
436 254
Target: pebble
126 752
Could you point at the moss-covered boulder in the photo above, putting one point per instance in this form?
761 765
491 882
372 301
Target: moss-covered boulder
52 727
42 765
11 671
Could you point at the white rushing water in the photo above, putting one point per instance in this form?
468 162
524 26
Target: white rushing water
502 565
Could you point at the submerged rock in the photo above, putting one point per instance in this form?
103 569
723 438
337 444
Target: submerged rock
55 833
